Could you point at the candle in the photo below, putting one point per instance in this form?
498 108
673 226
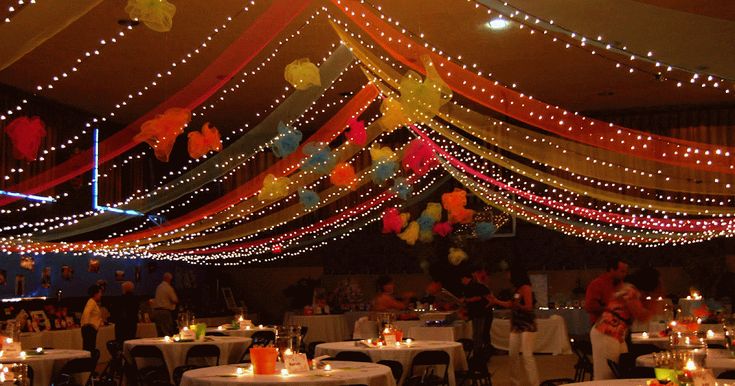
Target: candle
185 328
386 330
239 371
39 350
8 340
22 355
690 366
380 344
644 335
327 367
398 344
260 326
167 339
247 327
409 341
686 341
699 320
287 352
220 328
176 338
710 334
240 319
284 372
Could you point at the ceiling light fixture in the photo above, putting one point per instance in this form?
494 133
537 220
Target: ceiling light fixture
497 24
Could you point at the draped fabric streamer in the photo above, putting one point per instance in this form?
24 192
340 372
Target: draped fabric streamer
230 62
566 155
219 164
635 143
32 26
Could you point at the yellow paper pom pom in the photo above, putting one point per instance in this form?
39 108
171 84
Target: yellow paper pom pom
155 14
274 188
302 74
378 153
457 256
433 210
426 236
411 233
421 99
405 216
392 114
343 175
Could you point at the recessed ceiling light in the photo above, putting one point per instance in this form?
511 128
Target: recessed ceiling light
497 24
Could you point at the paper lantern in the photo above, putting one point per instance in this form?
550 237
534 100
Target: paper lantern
302 74
161 132
155 14
274 188
356 133
26 134
411 234
201 143
287 141
342 175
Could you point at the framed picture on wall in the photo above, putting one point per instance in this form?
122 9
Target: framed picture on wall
93 265
20 285
27 263
46 277
67 272
3 277
119 275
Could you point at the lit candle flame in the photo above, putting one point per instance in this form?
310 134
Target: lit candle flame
327 367
284 372
644 335
690 366
710 334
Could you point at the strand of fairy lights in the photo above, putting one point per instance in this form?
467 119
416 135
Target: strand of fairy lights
547 27
627 134
14 9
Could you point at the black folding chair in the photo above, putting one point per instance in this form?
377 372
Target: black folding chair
202 354
583 350
260 338
156 374
77 366
729 374
311 349
557 382
429 360
477 373
614 367
353 356
395 367
214 333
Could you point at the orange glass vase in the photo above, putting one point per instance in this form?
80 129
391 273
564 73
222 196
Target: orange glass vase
263 359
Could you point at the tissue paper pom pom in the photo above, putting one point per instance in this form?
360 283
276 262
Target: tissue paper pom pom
383 171
484 230
418 157
411 234
461 215
287 141
342 175
433 210
392 221
443 228
392 114
200 143
308 198
454 200
426 222
161 131
26 134
274 188
456 256
302 74
426 236
321 159
155 14
357 133
421 100
378 153
401 188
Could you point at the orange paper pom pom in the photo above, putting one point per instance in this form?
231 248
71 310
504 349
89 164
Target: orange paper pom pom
200 143
161 131
343 175
454 203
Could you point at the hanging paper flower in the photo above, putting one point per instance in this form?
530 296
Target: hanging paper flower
26 133
392 221
155 14
418 157
426 222
421 99
287 141
411 234
161 131
321 158
274 188
378 153
308 198
454 203
200 143
392 115
456 256
402 188
443 228
484 230
426 236
302 74
383 171
342 175
356 133
433 210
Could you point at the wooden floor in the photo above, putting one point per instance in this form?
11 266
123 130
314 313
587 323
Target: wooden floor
549 367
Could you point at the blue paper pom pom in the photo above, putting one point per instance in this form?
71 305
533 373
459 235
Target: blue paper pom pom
383 171
287 141
426 223
321 158
485 230
402 188
308 198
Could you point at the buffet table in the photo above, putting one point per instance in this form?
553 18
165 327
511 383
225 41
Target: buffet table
551 338
342 373
322 328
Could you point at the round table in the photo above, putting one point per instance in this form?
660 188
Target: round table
231 349
403 354
322 328
663 342
612 382
718 360
247 333
46 365
342 373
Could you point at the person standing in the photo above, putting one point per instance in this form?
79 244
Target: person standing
626 305
522 328
475 296
601 289
385 300
125 314
164 305
91 318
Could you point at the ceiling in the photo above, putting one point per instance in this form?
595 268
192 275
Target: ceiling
569 77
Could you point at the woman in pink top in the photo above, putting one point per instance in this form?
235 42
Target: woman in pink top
608 333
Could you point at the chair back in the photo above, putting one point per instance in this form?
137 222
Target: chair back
614 367
432 358
114 348
203 351
395 367
729 374
353 356
214 333
76 366
311 349
467 345
557 382
263 338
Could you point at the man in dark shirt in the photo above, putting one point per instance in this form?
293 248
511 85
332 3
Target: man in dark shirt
475 294
125 315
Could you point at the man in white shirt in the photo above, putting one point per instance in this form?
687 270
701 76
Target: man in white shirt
164 304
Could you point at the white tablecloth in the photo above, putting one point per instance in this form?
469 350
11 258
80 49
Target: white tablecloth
612 382
403 354
717 359
46 365
551 338
342 373
231 349
322 328
663 342
238 332
72 339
